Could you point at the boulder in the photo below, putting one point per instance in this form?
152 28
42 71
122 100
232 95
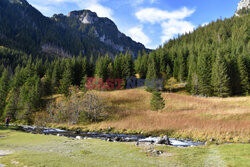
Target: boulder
163 140
155 152
109 140
78 137
117 139
78 131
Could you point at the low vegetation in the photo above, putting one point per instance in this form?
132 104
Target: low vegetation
51 151
185 116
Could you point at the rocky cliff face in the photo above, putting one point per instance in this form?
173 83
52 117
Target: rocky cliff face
99 28
85 16
243 4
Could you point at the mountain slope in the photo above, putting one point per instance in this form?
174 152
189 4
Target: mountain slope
101 29
25 28
213 60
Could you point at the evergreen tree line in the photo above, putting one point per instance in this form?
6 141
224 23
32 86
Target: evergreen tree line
22 88
213 60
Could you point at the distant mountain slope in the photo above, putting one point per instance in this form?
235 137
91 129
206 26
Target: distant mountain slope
25 28
102 30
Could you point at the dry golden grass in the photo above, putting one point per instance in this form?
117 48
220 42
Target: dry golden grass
184 116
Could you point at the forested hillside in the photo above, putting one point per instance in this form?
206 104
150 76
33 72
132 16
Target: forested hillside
213 60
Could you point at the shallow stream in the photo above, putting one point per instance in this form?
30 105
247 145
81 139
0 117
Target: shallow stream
108 136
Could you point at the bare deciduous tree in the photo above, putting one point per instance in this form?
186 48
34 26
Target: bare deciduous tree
70 110
94 106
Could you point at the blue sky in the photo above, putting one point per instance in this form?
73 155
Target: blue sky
151 22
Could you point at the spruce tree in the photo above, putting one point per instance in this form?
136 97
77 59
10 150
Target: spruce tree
19 78
91 67
168 72
83 84
110 71
117 67
39 68
11 107
244 75
163 61
1 69
101 70
144 65
192 81
66 80
176 69
98 67
84 68
56 75
138 64
151 71
151 74
181 65
127 66
30 92
4 87
204 74
157 102
47 83
220 79
75 71
30 99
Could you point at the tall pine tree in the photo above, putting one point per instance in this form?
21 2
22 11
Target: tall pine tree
220 79
4 87
66 80
204 71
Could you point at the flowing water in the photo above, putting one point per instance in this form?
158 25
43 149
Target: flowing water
108 136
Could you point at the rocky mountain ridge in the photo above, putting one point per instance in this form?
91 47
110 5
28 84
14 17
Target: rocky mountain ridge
242 5
24 28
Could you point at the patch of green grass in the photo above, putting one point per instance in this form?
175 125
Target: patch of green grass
39 150
53 151
235 155
191 156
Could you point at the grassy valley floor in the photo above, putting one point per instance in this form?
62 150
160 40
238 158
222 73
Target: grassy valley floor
185 116
22 149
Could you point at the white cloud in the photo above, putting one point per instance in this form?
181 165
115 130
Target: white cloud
93 5
135 3
154 15
137 34
174 27
205 24
172 23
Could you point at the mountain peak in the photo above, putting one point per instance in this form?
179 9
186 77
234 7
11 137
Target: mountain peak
20 2
243 5
61 35
85 16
